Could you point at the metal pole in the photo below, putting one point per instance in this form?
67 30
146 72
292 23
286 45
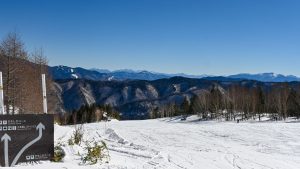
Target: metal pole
44 93
1 95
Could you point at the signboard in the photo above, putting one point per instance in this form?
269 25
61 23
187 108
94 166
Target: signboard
26 138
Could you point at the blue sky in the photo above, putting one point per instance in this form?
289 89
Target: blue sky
218 37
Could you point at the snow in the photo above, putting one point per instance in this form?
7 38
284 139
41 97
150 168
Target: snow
172 143
177 88
74 75
111 78
88 96
12 110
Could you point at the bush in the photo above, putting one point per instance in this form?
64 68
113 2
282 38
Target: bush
71 142
59 154
77 136
96 153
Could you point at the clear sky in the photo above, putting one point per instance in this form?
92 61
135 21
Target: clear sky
217 37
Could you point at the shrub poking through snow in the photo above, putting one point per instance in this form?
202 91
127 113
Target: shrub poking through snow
76 137
59 154
90 153
95 153
71 142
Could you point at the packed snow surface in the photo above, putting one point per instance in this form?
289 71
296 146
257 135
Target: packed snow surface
171 143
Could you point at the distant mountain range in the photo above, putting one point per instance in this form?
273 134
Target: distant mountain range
65 72
266 77
136 93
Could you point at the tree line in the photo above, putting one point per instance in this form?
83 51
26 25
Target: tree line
22 75
88 114
279 102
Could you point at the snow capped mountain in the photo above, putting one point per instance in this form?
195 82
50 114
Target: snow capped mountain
65 72
266 77
142 75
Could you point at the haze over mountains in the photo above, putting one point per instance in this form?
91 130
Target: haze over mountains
65 72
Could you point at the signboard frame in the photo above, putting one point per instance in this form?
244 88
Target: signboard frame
26 138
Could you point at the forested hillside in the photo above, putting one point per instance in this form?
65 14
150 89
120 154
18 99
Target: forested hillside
227 99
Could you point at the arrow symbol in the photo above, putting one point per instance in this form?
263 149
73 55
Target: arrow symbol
6 138
40 127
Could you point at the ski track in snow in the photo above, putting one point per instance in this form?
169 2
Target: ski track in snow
192 145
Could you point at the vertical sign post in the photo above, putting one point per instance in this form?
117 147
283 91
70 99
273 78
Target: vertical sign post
1 95
44 93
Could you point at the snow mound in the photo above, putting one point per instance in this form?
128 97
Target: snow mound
114 136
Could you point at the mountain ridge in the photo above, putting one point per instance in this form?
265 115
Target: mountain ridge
65 72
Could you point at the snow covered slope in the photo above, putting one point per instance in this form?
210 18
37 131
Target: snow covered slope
169 143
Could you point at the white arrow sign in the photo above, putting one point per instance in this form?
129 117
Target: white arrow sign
6 139
39 127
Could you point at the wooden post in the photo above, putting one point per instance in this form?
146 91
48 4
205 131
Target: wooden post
44 94
1 95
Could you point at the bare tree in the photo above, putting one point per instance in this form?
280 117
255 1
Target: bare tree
278 100
200 104
98 114
40 63
22 76
15 56
216 101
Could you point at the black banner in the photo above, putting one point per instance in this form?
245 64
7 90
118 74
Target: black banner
26 138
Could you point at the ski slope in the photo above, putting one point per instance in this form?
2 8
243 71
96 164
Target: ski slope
171 144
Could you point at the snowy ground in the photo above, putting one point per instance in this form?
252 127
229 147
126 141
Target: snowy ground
173 144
